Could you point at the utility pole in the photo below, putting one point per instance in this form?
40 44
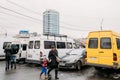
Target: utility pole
101 27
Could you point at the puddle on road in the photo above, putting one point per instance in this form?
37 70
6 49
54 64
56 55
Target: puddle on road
85 74
77 75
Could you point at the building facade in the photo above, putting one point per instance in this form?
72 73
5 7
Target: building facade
50 22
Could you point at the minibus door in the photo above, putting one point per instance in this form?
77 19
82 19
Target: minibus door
24 51
93 48
30 52
106 50
37 50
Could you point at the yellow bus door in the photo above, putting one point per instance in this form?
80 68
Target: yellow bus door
106 48
93 47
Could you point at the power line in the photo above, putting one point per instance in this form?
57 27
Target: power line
36 18
37 12
79 27
17 16
6 20
73 29
11 2
19 13
72 24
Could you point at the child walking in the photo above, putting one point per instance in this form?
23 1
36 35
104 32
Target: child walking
44 67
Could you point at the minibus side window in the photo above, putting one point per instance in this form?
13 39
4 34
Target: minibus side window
24 47
105 43
31 45
93 43
69 45
118 43
37 45
48 44
61 45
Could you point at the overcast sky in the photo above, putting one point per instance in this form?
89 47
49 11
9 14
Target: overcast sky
77 17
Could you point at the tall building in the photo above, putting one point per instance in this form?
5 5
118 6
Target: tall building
50 22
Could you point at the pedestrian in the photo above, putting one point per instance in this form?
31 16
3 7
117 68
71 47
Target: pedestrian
7 56
14 51
53 63
44 67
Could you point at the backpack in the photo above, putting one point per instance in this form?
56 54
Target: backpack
14 49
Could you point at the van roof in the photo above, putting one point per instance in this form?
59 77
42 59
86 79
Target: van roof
118 34
102 31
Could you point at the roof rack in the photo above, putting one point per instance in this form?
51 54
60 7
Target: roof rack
55 35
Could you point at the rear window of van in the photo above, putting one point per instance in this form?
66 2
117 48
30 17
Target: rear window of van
93 43
105 43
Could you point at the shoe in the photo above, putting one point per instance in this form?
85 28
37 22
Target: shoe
11 67
56 78
15 67
6 69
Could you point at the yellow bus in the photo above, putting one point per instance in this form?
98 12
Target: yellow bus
103 49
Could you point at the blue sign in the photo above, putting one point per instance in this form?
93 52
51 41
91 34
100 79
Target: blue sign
23 32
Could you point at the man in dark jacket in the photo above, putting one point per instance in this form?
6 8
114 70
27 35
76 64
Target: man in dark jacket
7 56
14 51
53 61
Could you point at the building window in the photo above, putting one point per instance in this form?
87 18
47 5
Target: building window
105 43
93 43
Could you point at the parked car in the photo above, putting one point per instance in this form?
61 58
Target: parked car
74 59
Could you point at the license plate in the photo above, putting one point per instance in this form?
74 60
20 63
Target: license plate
93 58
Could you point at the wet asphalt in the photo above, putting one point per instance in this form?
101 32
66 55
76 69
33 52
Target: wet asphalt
32 71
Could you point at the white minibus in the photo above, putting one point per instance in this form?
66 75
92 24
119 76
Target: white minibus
41 45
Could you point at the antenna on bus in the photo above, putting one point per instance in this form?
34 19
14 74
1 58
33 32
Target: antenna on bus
101 27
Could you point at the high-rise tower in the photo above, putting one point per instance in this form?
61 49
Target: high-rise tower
50 22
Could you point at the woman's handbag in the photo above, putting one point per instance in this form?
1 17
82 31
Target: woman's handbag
52 64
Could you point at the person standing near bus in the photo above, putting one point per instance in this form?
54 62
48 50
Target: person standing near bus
14 51
53 63
7 56
44 67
